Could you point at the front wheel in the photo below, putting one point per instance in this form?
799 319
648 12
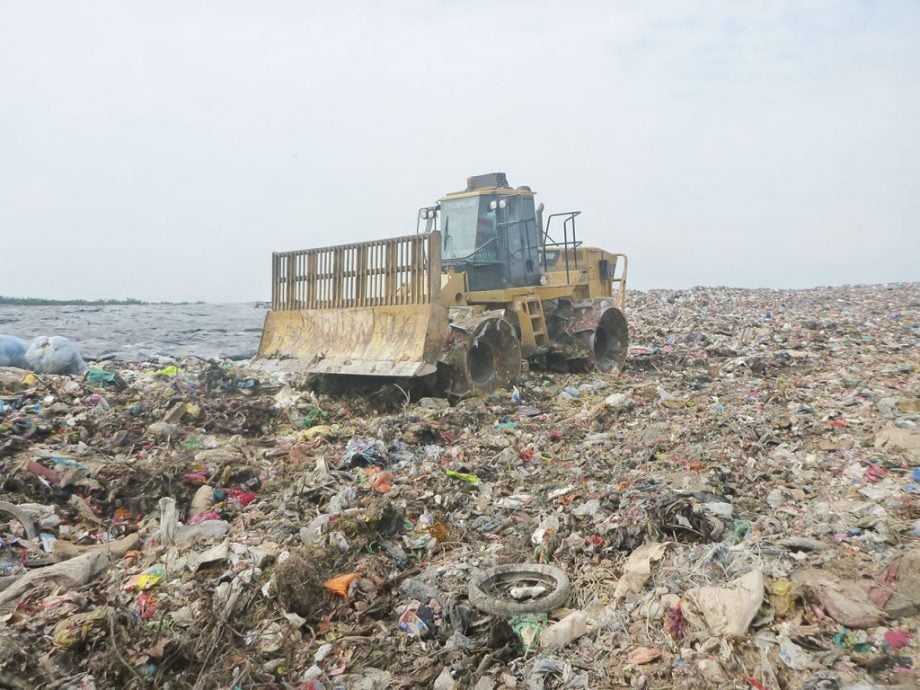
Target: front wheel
483 356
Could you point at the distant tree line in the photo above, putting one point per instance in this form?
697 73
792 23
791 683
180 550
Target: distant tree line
41 302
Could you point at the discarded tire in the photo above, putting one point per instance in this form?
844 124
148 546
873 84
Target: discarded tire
489 591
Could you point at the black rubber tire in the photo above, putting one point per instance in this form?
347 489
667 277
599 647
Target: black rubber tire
481 598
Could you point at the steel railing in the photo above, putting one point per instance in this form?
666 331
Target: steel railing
395 271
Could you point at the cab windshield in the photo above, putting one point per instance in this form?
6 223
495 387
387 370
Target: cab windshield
466 225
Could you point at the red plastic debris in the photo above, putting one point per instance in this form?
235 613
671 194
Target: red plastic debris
383 482
875 472
244 498
204 516
675 623
897 638
450 436
199 477
43 472
146 606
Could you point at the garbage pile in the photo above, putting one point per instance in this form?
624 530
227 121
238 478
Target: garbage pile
738 509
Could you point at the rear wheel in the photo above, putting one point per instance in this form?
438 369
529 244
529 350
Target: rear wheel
589 335
611 340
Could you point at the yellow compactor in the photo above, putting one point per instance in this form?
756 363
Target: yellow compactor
485 284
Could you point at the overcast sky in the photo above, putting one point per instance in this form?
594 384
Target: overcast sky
162 150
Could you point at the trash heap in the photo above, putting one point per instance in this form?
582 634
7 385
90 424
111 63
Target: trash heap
738 509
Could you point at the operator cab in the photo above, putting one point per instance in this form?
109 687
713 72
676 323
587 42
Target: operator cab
490 231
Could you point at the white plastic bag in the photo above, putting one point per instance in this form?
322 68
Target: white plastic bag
12 352
54 355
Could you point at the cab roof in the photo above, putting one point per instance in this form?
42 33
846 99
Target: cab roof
489 183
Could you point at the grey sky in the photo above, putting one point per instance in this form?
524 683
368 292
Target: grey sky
164 150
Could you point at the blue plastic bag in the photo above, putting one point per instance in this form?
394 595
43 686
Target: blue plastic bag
54 355
12 352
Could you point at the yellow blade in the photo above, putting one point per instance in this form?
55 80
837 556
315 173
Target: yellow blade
392 340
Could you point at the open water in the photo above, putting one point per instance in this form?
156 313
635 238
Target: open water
140 332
